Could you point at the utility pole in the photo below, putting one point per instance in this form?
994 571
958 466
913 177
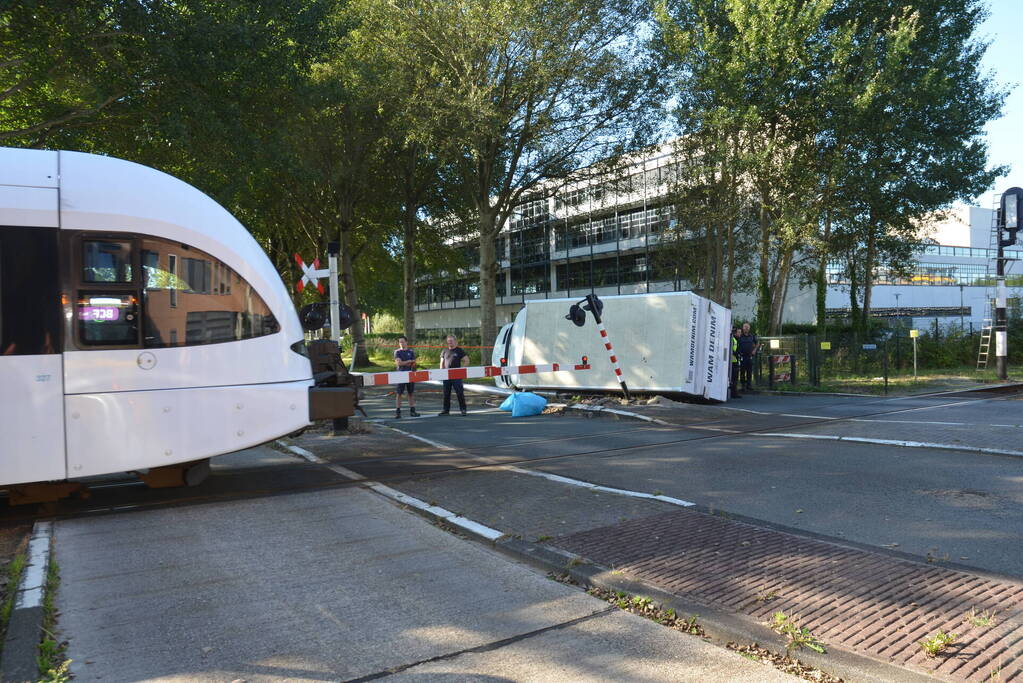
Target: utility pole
1008 223
333 249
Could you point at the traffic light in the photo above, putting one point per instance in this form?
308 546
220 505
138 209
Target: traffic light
577 315
316 316
313 316
1009 216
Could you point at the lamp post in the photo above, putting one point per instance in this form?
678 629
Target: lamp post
898 317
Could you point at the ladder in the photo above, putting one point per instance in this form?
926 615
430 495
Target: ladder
985 343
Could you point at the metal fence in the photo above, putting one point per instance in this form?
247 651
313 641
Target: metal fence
812 360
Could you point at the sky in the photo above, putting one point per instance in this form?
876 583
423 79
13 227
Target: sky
1003 59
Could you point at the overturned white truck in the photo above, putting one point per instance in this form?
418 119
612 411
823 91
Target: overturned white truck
675 342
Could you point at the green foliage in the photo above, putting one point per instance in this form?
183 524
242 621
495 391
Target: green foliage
839 125
53 665
938 643
513 93
797 636
67 65
13 572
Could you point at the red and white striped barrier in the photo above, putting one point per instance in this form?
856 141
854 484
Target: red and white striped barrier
375 379
781 359
610 350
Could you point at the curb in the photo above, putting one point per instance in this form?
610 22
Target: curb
21 644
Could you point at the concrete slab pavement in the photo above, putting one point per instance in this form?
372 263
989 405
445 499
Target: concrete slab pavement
336 585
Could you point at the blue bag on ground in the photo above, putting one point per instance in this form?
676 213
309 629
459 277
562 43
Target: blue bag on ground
524 404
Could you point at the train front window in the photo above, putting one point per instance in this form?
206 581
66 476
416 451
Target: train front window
106 319
191 298
106 261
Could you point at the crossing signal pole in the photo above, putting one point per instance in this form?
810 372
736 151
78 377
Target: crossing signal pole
1008 226
577 314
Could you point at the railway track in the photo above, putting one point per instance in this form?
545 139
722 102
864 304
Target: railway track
111 496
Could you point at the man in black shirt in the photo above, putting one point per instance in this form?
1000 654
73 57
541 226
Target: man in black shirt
748 347
451 357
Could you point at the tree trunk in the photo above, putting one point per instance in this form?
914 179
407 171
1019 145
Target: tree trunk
360 356
409 273
822 279
764 279
854 293
779 292
488 271
868 274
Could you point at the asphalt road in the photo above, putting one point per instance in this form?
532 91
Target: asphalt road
945 503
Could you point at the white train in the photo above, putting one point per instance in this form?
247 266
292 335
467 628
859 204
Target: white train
141 326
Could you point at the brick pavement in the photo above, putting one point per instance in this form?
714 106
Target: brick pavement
876 605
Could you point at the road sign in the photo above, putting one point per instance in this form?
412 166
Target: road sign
311 274
870 347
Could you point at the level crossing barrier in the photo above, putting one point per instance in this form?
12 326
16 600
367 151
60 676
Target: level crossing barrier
375 379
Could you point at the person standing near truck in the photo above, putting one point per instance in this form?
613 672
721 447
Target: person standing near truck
451 357
405 361
733 385
748 347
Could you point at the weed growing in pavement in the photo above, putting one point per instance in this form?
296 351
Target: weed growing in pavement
798 636
543 539
668 617
574 562
784 663
53 665
646 607
983 619
938 643
767 596
15 568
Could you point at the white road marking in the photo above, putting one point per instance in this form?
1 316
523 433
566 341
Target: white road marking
908 422
313 458
446 515
811 417
435 444
605 489
557 477
892 442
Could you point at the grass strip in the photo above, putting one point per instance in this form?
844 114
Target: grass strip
13 572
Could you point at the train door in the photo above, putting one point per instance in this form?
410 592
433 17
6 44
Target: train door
31 367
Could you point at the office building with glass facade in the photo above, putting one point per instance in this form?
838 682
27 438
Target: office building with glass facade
601 236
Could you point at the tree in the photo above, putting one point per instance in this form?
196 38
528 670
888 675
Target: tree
916 140
518 92
851 122
744 79
65 64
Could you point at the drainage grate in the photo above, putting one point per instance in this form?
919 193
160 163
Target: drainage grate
873 604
